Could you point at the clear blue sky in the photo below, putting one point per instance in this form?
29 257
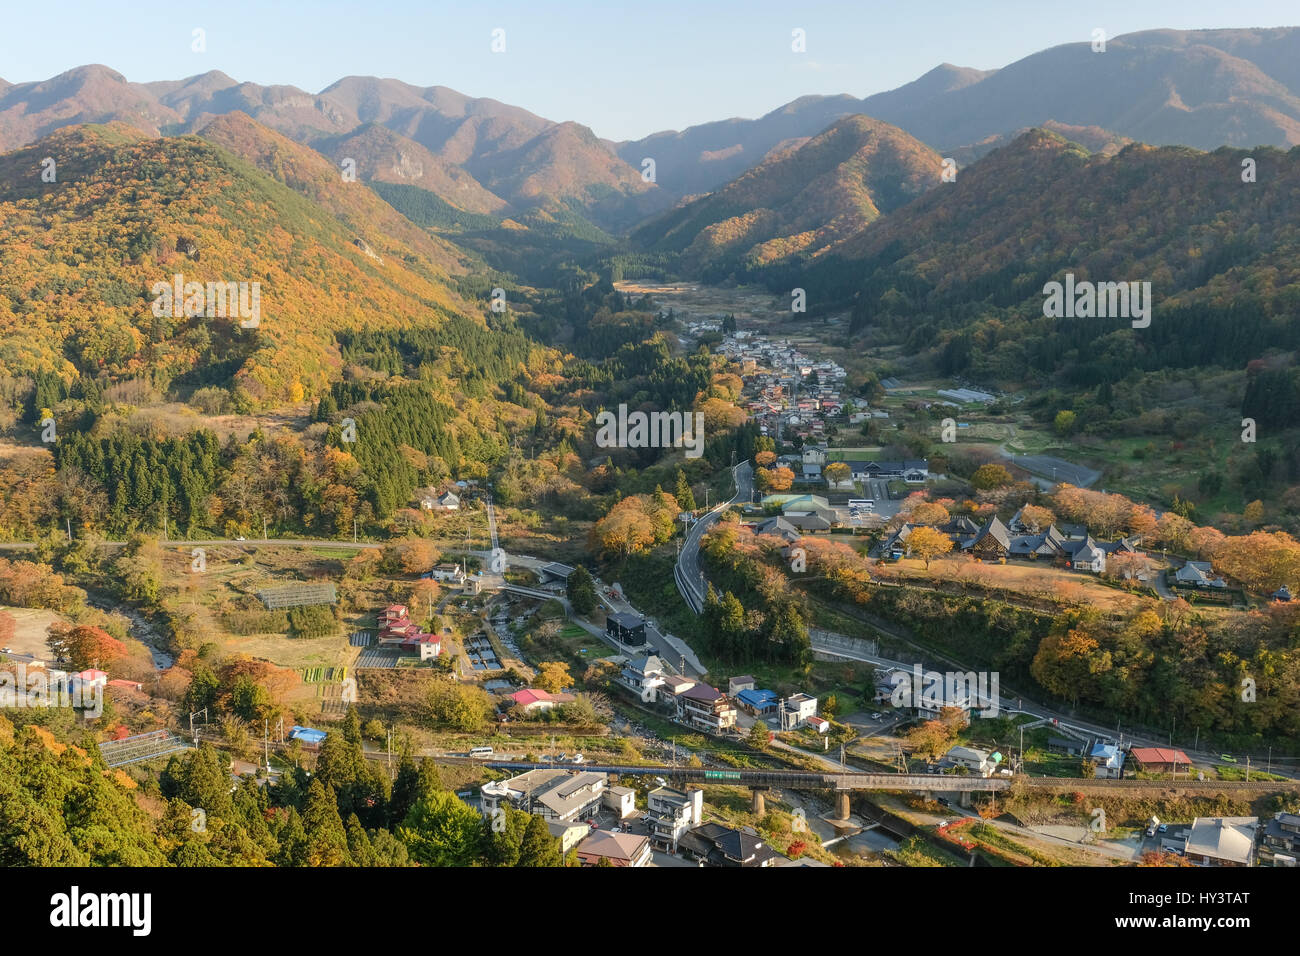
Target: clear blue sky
623 68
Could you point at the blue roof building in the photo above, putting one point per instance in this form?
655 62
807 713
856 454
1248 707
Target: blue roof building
307 735
758 701
1109 760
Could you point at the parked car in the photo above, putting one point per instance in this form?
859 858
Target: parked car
6 650
579 758
661 781
943 802
1163 828
1151 831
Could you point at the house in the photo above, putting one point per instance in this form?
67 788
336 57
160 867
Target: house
914 471
992 543
626 628
311 739
622 800
1222 841
674 686
707 708
397 630
780 527
1064 745
760 703
448 573
432 501
643 676
536 701
812 460
1197 574
569 834
671 813
712 844
976 761
818 520
559 795
1050 544
1160 759
617 849
1086 555
129 685
819 724
895 546
1279 843
796 709
1107 759
90 679
736 684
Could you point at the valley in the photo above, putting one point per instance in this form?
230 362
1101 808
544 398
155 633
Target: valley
323 474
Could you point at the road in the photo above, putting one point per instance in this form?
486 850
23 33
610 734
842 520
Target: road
690 577
851 648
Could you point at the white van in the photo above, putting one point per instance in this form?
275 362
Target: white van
481 752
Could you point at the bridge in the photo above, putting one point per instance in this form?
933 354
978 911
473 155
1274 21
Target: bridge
845 782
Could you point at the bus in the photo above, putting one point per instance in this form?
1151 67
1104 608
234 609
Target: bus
865 504
480 752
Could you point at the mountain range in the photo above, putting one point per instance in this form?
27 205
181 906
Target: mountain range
1203 88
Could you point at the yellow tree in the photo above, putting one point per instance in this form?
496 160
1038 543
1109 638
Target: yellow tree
927 543
837 471
553 676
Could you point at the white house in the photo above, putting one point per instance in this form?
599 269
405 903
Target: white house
797 709
976 761
448 573
622 800
643 676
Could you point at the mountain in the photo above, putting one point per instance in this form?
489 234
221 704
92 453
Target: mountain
525 159
960 272
1196 88
1202 88
88 94
388 157
1092 138
79 259
799 201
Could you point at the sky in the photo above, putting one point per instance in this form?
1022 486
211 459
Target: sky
626 69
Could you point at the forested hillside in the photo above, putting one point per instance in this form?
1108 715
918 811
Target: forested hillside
799 201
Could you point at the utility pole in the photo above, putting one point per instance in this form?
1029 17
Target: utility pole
841 756
390 753
266 742
263 527
1248 768
1270 760
69 521
354 530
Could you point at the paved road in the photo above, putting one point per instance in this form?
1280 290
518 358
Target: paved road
690 578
